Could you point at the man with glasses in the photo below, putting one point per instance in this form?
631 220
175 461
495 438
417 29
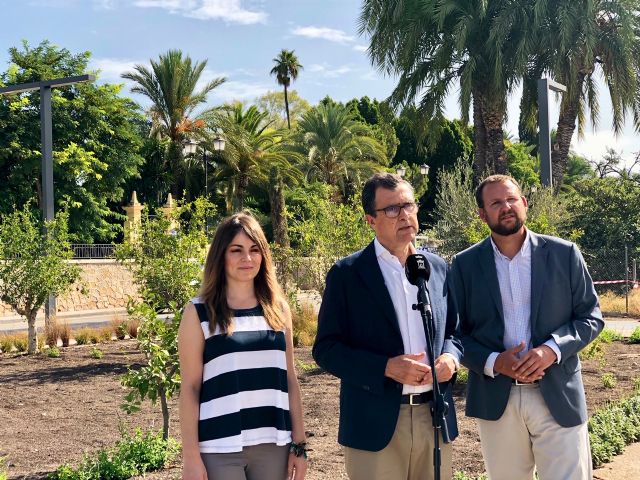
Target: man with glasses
527 307
374 341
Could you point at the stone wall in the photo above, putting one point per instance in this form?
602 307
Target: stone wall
104 285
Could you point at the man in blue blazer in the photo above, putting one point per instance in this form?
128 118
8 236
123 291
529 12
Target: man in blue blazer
370 337
527 306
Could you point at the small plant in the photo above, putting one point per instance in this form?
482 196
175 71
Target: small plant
82 336
613 427
636 384
96 353
105 334
608 335
305 325
118 327
53 352
306 367
6 343
132 327
3 471
94 336
65 333
52 333
463 376
635 336
594 350
21 342
465 476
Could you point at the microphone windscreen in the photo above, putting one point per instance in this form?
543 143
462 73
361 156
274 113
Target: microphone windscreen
417 268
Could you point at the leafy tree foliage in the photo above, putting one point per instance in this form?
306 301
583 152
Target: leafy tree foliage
34 263
95 142
523 166
273 102
171 85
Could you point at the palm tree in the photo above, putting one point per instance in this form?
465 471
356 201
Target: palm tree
432 44
338 148
579 40
286 69
253 151
170 84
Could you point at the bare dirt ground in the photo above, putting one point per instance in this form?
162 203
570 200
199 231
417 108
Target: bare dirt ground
53 410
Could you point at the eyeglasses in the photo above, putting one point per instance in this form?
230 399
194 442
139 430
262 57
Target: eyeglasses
392 211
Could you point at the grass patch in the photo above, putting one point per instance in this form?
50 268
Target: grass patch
96 353
607 335
52 333
132 327
306 367
613 427
462 475
53 352
612 303
65 333
21 342
463 375
609 380
635 336
6 343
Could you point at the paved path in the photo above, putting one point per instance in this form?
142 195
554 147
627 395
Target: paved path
624 326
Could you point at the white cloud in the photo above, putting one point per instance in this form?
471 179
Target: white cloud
360 48
112 68
594 145
230 11
324 33
237 90
327 71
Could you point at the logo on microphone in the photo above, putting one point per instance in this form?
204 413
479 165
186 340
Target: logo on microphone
421 262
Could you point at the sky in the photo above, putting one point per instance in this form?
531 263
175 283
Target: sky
240 38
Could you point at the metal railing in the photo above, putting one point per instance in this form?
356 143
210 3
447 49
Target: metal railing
90 251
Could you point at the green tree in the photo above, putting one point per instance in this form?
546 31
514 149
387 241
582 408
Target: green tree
286 70
380 119
430 45
337 147
523 166
252 150
577 42
34 263
273 103
171 84
96 142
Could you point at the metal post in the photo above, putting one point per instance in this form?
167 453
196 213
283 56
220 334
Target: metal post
626 278
544 125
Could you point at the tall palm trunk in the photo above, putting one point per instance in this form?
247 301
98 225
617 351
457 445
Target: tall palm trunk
241 192
286 105
566 127
277 204
479 140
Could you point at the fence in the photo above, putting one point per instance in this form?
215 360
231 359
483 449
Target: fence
89 251
614 272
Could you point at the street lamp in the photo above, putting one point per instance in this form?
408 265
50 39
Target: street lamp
402 171
544 134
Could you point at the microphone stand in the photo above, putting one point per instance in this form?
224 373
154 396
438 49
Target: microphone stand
438 407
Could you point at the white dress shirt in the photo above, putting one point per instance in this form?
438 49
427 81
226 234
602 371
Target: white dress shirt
403 295
514 278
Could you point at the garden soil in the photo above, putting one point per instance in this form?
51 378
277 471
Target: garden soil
54 410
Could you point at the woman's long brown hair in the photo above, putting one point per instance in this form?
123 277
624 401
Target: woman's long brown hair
214 284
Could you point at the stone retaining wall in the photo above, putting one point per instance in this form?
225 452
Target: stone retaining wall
104 284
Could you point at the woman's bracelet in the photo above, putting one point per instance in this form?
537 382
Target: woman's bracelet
299 449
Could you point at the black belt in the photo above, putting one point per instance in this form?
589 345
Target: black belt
519 383
417 398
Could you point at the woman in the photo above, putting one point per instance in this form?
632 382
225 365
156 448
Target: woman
240 406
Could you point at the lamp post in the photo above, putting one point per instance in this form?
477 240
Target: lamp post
402 171
46 135
544 135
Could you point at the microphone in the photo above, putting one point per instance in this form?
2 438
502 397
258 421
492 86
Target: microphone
418 270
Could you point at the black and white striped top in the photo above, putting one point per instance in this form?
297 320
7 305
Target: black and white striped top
244 398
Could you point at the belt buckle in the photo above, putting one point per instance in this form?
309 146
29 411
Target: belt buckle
518 382
411 397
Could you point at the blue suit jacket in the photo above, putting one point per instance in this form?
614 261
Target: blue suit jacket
358 332
564 306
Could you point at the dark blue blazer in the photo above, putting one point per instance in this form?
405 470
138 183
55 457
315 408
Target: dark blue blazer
564 306
358 332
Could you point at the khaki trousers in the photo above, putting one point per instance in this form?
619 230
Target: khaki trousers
527 438
266 461
409 454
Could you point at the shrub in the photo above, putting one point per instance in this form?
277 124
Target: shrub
131 456
3 471
6 343
52 333
635 336
594 350
608 335
21 342
82 336
105 334
636 384
119 327
94 336
96 353
609 380
65 333
613 427
53 352
463 376
132 327
305 325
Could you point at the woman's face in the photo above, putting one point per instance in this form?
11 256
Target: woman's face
242 259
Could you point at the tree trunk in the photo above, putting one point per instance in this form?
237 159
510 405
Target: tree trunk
277 203
479 140
286 105
241 192
165 414
33 336
564 134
